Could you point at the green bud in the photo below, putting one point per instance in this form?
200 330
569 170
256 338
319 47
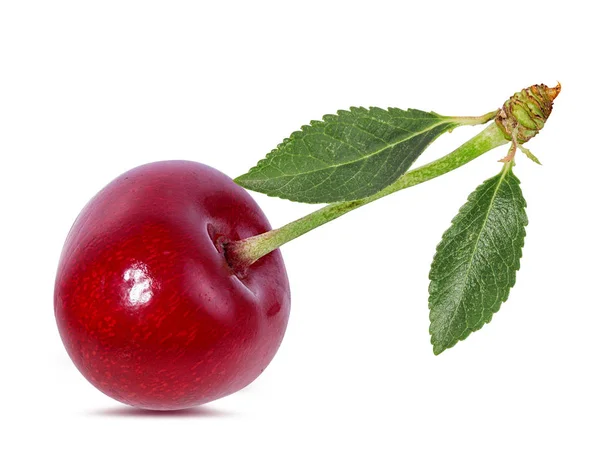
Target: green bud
526 112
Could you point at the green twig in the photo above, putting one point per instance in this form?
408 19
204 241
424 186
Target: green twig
243 253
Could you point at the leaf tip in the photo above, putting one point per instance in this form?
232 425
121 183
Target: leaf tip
241 180
440 346
437 350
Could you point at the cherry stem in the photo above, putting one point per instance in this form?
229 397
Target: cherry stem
243 253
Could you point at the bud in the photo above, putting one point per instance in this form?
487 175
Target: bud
526 112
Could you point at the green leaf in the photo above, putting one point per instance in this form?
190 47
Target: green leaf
347 156
476 262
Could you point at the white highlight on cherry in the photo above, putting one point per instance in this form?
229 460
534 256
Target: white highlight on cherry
140 291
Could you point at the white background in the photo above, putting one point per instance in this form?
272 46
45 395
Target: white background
89 90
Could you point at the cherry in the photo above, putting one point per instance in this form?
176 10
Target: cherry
146 303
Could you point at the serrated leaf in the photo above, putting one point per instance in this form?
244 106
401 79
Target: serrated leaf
347 156
475 264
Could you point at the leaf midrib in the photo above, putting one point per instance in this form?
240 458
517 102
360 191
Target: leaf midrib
470 265
377 152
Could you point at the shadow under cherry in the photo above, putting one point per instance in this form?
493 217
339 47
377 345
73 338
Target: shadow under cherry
132 412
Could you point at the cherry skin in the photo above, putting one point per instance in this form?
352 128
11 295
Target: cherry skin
146 303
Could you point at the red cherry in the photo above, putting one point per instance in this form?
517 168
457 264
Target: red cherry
146 303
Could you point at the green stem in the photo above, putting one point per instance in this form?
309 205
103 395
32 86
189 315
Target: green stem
243 253
479 120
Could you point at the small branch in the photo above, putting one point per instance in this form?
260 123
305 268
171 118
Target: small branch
243 253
